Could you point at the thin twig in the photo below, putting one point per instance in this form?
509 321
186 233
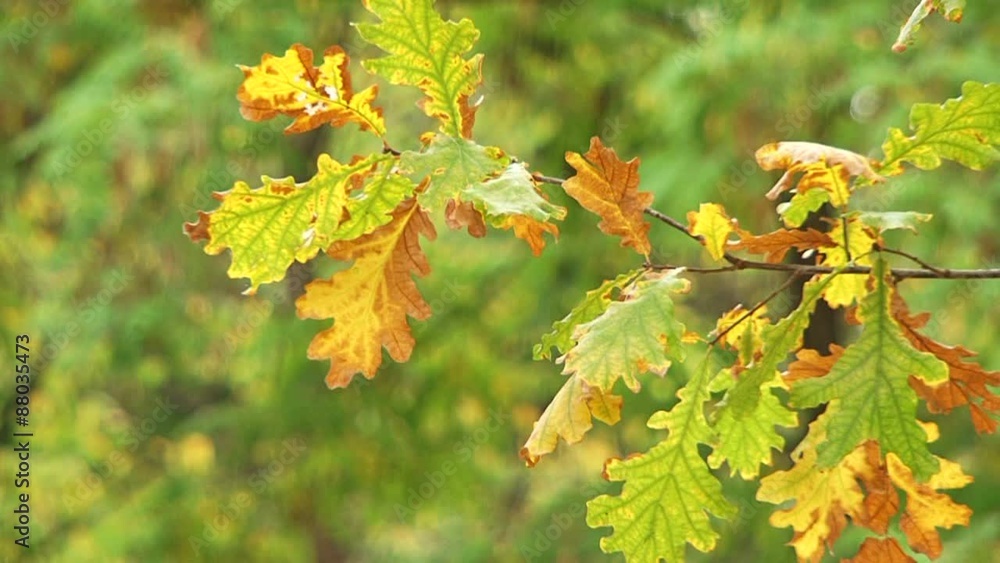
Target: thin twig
926 271
760 304
935 269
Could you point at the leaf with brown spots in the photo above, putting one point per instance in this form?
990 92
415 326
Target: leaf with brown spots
314 96
634 336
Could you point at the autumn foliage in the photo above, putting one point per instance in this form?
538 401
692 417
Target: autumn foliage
865 460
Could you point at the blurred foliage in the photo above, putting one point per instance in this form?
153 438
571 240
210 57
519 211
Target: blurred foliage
166 406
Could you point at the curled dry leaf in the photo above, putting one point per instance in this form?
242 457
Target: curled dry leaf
823 166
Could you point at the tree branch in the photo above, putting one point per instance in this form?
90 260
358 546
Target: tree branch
926 271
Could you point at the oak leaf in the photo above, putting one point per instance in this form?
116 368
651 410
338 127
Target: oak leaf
880 550
427 52
824 496
968 383
605 185
926 508
845 289
713 226
452 165
459 215
634 336
795 211
668 491
568 416
822 166
950 9
869 388
370 300
964 129
269 227
594 303
776 244
314 96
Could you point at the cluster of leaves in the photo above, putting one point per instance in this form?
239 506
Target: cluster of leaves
866 447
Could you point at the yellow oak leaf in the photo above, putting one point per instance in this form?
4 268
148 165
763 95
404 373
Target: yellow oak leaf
824 498
926 508
712 224
314 96
605 185
845 289
569 416
370 301
823 167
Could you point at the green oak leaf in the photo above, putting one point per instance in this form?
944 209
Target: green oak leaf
889 220
669 492
512 193
269 227
779 340
371 207
963 129
453 165
869 385
632 337
795 211
427 52
594 303
746 442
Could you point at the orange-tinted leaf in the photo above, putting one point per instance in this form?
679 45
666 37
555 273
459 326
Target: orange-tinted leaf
529 230
825 167
927 509
881 497
824 497
968 383
809 363
463 214
605 185
880 550
198 230
775 245
370 301
314 96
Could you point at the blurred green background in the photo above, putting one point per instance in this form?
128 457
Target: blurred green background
176 419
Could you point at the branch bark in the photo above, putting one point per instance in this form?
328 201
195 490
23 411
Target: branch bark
926 271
